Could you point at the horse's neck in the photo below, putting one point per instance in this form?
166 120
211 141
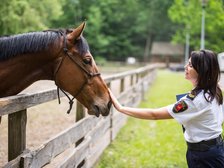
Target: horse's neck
20 72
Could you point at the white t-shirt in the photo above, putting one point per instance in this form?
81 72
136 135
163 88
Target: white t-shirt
202 120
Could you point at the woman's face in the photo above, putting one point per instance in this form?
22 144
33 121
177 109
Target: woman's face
190 73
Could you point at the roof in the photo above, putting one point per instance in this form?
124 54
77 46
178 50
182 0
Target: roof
167 48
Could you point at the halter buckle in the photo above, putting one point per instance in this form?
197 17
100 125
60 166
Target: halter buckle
91 74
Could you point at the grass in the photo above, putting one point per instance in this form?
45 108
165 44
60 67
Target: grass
151 144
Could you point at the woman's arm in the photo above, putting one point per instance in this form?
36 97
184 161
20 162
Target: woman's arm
142 113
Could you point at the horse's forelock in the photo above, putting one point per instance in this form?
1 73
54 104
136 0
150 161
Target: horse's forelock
82 45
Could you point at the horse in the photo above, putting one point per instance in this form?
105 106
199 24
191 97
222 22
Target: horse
61 55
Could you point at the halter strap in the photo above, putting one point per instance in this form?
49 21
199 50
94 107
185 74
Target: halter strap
89 74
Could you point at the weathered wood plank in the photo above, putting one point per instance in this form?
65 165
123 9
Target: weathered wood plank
101 128
16 103
60 143
97 149
119 121
100 139
16 134
77 155
95 135
16 163
132 72
13 163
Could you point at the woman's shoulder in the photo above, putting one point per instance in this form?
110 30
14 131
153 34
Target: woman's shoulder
199 100
195 95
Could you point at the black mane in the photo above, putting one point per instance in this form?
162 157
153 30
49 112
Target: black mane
11 46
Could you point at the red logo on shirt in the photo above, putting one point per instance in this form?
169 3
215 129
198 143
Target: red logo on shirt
180 107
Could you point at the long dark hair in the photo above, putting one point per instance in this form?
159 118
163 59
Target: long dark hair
206 64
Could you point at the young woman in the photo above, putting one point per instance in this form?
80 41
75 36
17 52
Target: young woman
200 112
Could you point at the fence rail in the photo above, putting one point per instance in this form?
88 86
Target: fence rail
95 133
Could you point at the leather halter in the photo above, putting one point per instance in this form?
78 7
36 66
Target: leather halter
71 57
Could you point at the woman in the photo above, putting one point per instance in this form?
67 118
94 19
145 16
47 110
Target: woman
199 112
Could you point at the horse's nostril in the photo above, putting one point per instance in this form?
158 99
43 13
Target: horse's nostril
97 111
109 105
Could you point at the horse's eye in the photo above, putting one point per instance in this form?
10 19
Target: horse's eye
87 61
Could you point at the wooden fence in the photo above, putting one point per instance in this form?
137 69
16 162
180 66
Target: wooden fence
82 144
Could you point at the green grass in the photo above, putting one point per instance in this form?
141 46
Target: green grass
151 144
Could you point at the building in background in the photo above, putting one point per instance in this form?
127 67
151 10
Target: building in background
167 52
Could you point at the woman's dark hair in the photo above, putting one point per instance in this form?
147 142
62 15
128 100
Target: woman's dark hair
206 64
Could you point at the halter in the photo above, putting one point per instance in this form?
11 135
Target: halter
89 74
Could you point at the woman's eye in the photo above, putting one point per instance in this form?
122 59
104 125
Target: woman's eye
189 64
87 61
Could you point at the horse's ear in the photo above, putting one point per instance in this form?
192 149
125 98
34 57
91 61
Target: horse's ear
77 32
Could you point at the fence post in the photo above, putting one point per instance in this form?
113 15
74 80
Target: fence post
111 116
136 80
122 85
80 111
132 80
16 133
143 90
80 114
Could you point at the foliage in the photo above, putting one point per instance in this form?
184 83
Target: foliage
119 29
123 27
18 16
188 15
115 29
153 144
100 60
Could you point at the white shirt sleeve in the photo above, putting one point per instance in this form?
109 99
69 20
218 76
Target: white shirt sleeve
180 113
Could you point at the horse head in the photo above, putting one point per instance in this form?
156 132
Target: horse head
76 73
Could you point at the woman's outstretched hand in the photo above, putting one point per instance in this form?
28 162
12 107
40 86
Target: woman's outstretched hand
143 113
114 100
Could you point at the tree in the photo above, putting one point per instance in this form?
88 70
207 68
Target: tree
188 15
123 27
18 16
115 29
158 26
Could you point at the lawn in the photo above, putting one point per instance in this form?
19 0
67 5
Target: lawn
151 144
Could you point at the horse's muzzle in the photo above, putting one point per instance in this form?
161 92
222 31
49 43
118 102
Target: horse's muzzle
104 111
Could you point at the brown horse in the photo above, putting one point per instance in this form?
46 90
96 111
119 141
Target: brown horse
59 55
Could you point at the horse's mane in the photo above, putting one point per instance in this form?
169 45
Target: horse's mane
11 46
